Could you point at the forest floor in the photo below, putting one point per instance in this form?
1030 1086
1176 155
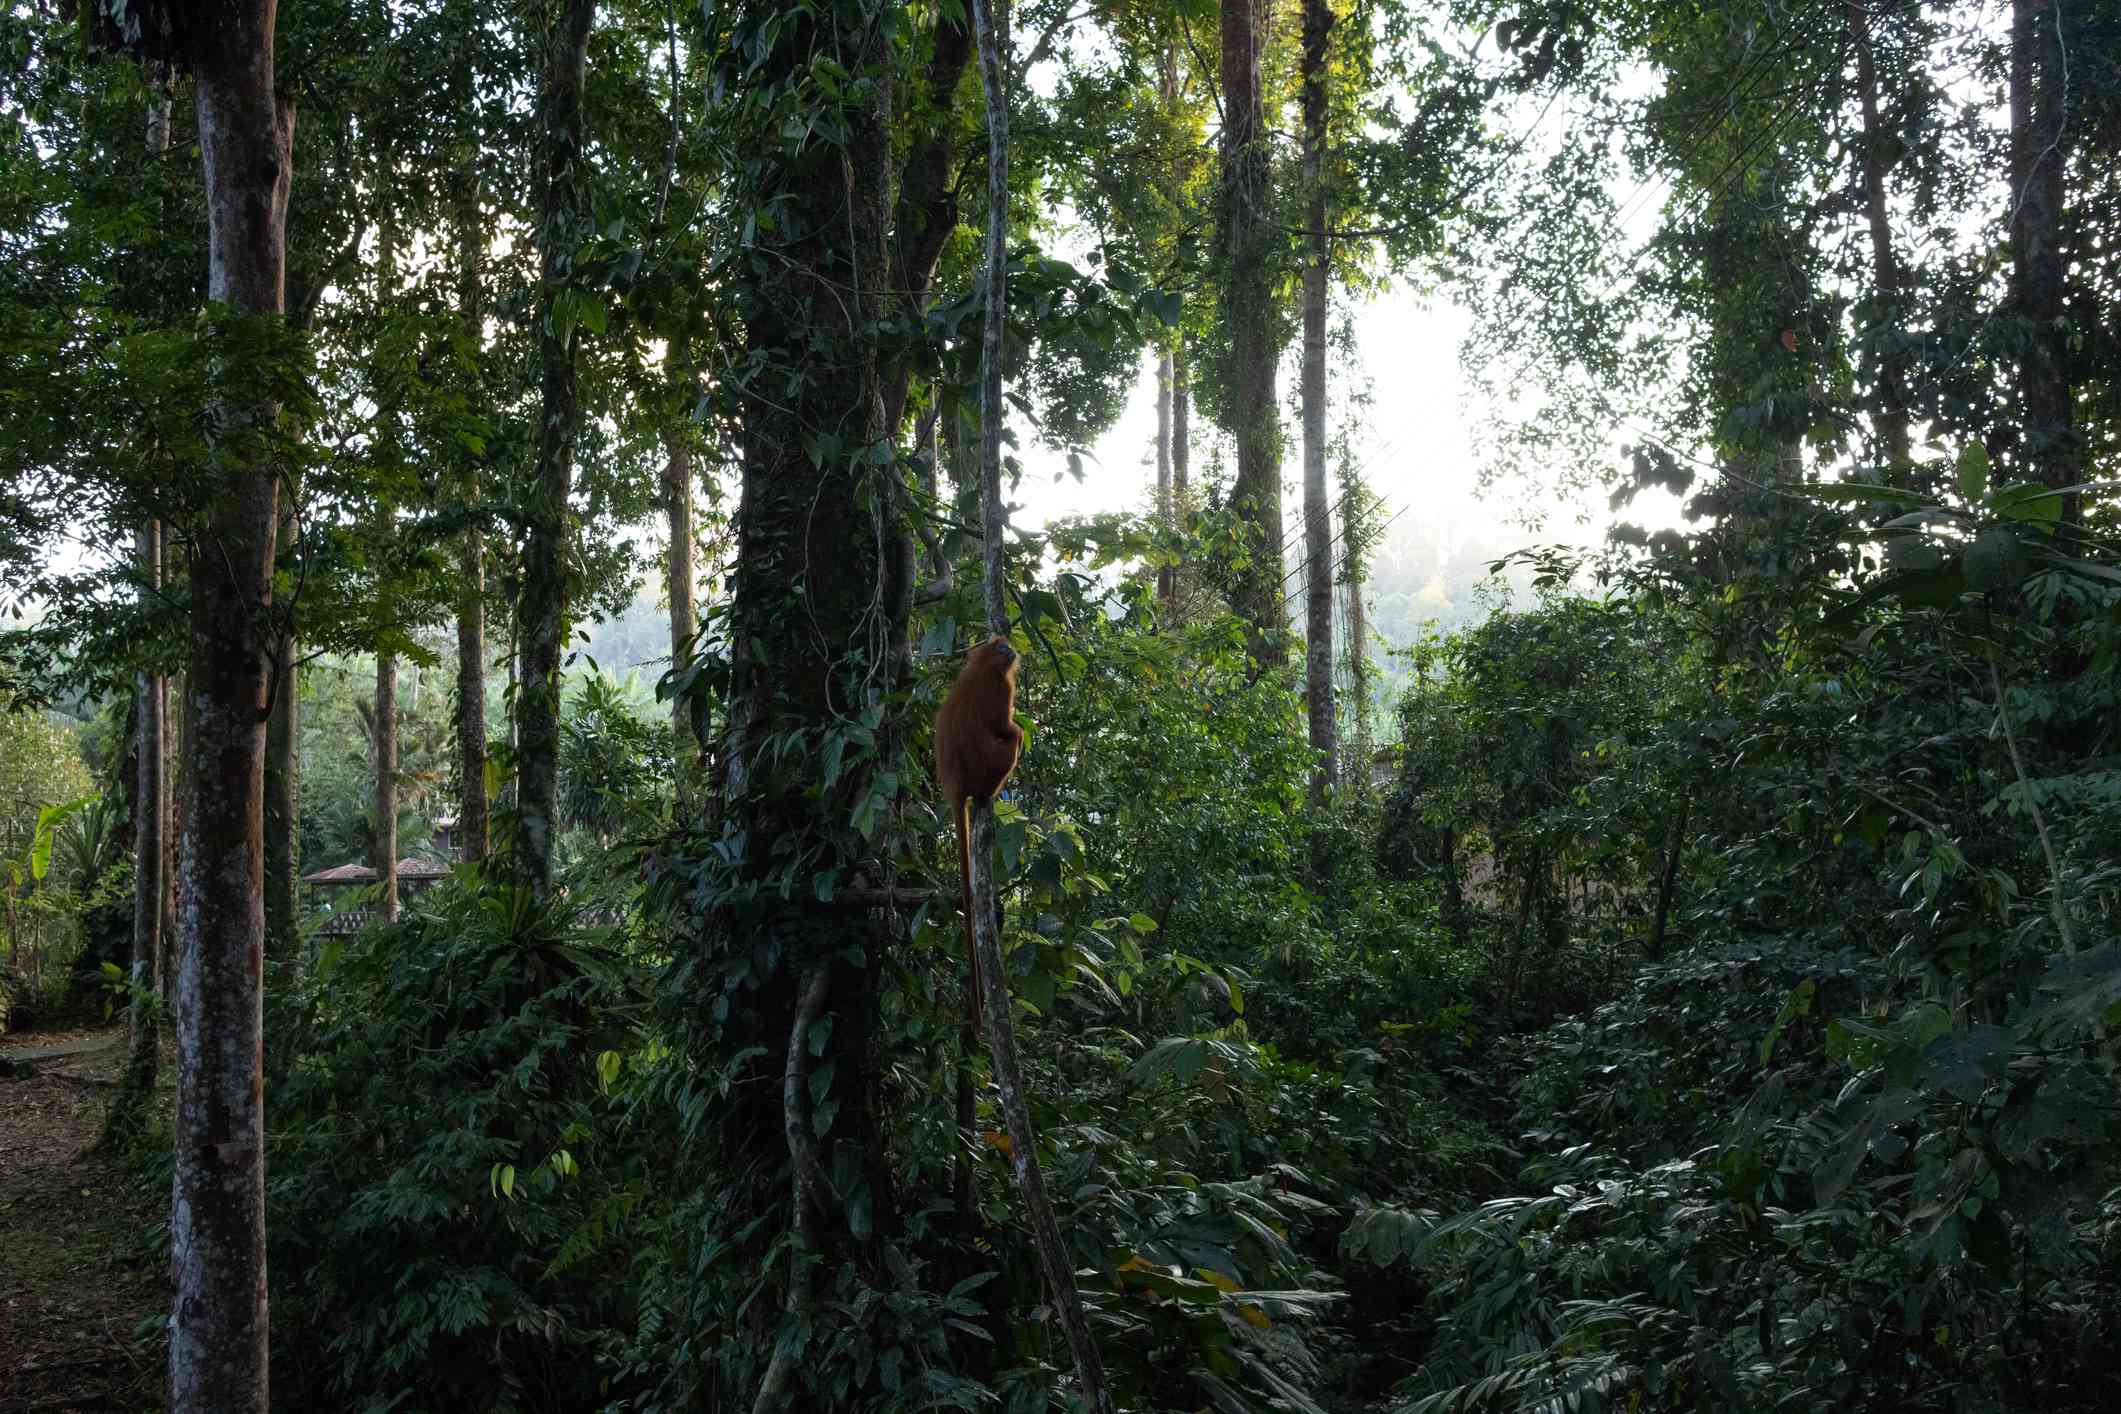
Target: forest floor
79 1271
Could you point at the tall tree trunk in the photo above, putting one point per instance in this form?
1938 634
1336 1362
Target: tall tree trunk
543 615
1165 581
149 822
1318 514
1886 296
1167 396
2039 158
1246 240
1356 764
150 789
472 809
385 858
218 1329
1181 423
677 504
814 536
176 808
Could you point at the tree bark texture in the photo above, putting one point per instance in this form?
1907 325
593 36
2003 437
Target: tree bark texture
385 859
2039 157
542 618
218 1326
1246 240
1318 511
1889 315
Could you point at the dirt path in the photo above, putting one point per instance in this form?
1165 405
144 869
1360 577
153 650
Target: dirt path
79 1269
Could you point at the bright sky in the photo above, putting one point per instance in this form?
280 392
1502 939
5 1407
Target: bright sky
1416 450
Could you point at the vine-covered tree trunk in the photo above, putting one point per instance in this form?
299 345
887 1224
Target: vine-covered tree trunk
385 857
814 653
218 1328
2039 158
1318 514
542 618
1246 241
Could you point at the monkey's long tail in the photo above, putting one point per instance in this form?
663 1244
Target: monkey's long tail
964 874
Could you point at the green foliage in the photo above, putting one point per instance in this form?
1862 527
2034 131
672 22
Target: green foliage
1853 1146
446 1168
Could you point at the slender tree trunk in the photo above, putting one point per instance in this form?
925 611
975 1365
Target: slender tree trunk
1181 424
1164 579
677 503
283 803
1246 238
2039 159
472 809
150 789
1668 880
1356 652
1318 514
218 1327
1892 415
543 615
385 859
176 808
149 821
283 846
1168 397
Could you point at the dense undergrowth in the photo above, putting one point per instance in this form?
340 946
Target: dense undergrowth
1713 1015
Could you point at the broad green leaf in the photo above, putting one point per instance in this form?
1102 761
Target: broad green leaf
1973 471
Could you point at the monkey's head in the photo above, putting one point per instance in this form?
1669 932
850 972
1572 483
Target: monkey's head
995 656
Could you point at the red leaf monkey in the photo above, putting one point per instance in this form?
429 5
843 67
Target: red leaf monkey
977 742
